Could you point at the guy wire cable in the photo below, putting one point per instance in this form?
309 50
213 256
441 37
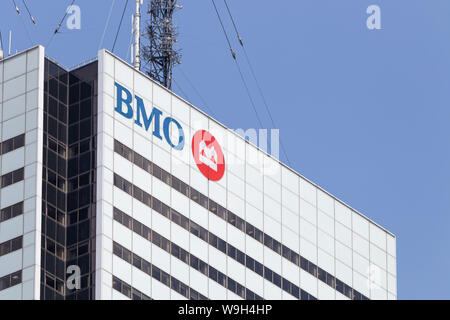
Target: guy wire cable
238 67
59 25
120 25
255 78
29 13
106 24
22 22
196 91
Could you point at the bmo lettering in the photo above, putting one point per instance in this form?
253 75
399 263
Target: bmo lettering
124 100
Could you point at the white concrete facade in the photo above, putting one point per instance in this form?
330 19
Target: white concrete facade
255 187
21 112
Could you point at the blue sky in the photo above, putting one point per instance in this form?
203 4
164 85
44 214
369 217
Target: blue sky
362 113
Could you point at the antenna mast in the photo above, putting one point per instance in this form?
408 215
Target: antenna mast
137 35
161 35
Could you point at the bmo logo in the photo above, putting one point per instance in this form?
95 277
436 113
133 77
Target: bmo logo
208 155
123 107
206 150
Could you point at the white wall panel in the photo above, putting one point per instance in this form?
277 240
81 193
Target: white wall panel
262 192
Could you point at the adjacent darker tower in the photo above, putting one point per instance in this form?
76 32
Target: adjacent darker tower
159 55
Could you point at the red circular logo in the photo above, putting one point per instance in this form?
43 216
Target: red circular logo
208 155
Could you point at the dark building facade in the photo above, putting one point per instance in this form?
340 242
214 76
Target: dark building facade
69 181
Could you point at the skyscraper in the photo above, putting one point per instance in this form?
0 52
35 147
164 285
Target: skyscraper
113 187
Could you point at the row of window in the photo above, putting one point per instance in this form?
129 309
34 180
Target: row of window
236 221
203 234
12 144
54 186
128 290
11 211
66 231
183 255
11 246
12 177
10 280
157 273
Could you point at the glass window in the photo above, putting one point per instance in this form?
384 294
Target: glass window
147 166
322 275
176 183
250 263
258 235
268 274
157 171
231 285
221 278
194 195
213 273
126 255
138 193
231 251
138 160
184 189
7 146
339 286
240 224
240 257
312 269
85 109
146 267
6 180
126 221
5 214
137 227
4 248
16 278
165 177
18 175
295 291
53 107
117 250
303 263
222 246
330 280
117 284
259 268
175 217
19 141
137 261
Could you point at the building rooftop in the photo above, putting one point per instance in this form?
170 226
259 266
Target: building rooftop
210 118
